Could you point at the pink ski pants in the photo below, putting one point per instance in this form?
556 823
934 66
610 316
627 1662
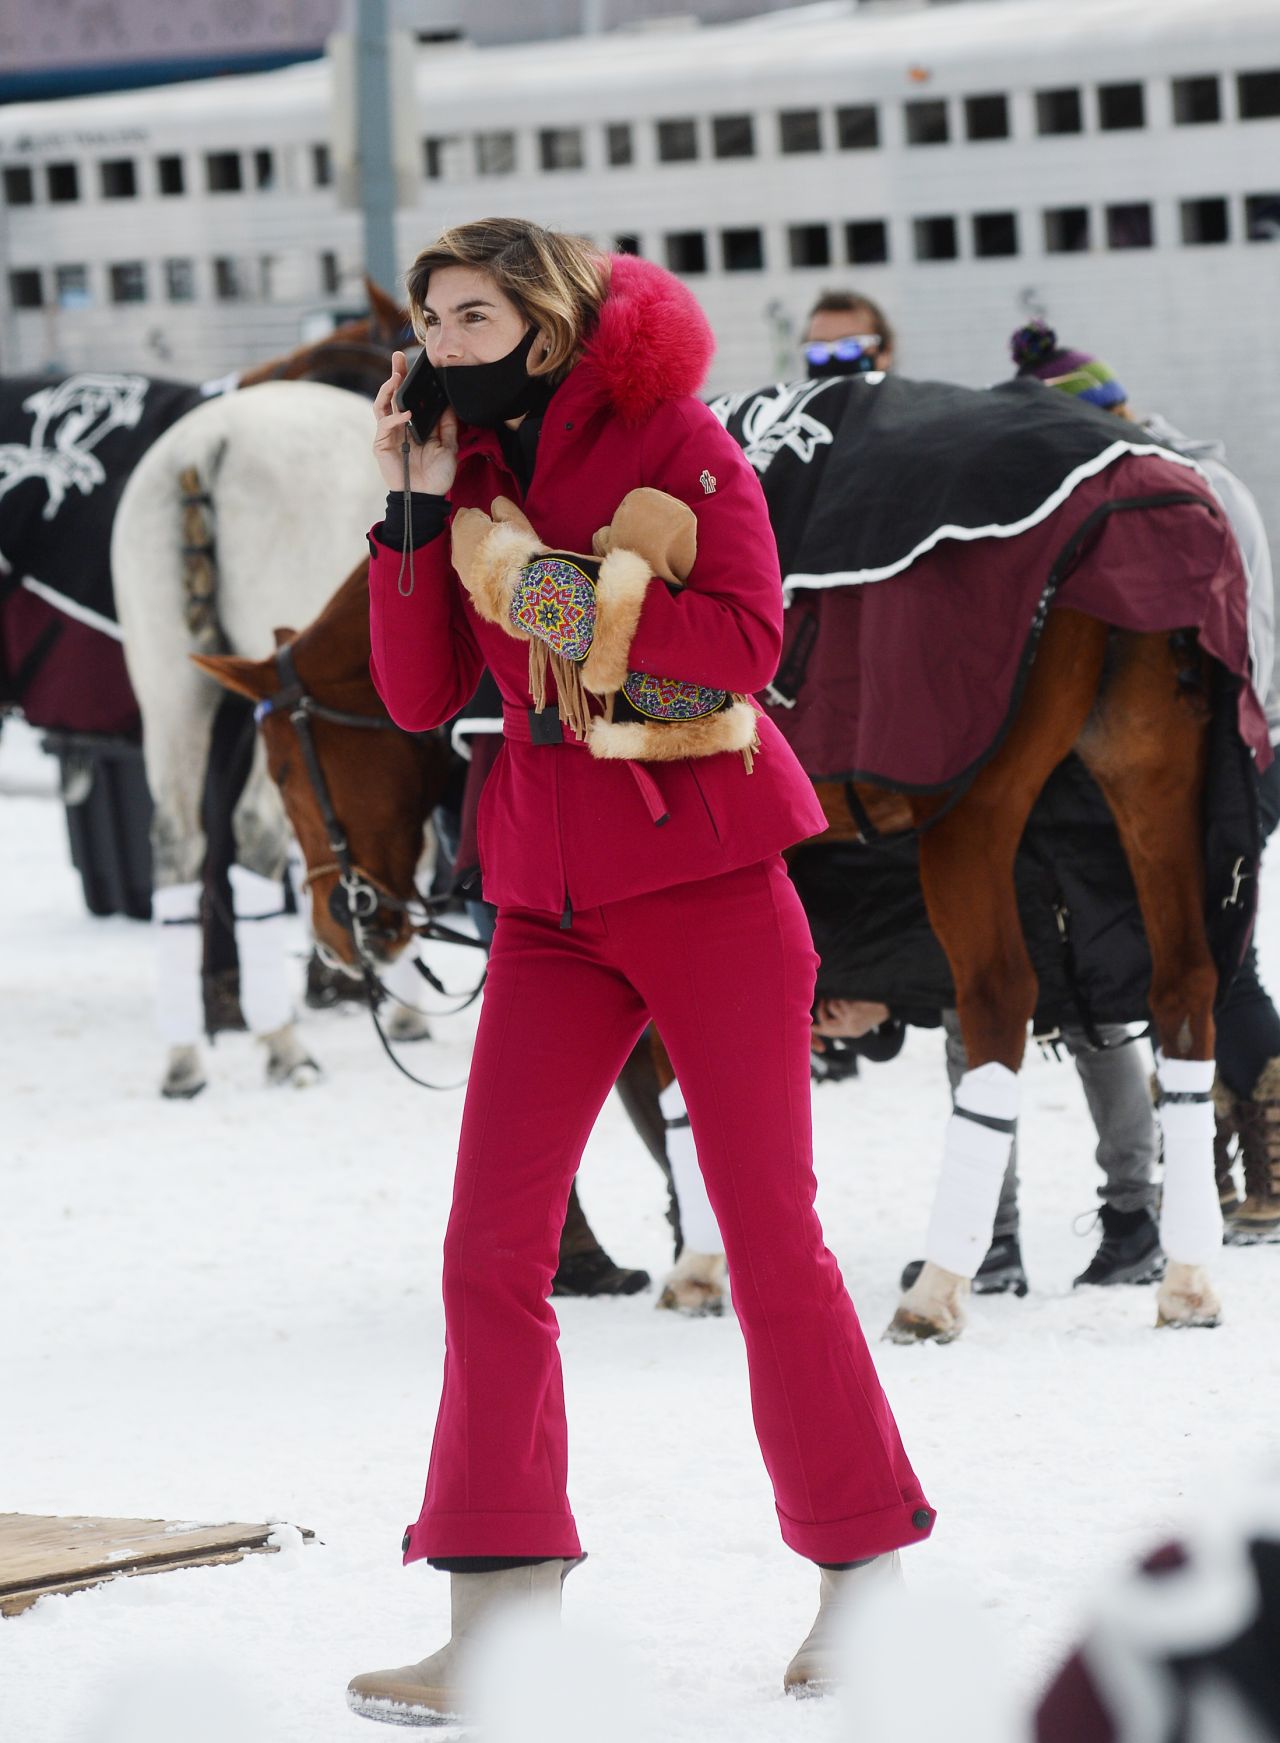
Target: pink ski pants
725 967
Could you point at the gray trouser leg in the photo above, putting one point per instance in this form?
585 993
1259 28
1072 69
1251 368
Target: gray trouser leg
1115 1087
1006 1222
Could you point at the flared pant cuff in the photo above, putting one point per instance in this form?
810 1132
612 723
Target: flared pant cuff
866 1534
552 1535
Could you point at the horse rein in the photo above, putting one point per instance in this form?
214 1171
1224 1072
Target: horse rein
363 894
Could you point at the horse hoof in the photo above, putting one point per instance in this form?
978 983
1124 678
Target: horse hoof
287 1062
694 1300
1186 1321
299 1073
696 1285
916 1328
185 1076
1187 1298
408 1025
183 1091
932 1310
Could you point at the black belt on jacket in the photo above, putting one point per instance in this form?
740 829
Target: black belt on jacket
542 726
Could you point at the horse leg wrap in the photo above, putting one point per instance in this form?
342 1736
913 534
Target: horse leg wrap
1190 1209
175 911
975 1154
261 926
697 1219
402 979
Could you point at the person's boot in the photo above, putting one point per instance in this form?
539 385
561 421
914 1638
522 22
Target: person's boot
1000 1273
431 1691
815 1669
1129 1251
1224 1136
585 1268
1257 1216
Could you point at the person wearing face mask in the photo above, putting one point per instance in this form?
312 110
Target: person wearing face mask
585 527
846 334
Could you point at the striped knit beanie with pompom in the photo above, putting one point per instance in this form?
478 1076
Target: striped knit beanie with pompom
1035 350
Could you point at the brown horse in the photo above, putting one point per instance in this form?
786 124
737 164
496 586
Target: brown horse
383 785
1115 698
1143 737
379 788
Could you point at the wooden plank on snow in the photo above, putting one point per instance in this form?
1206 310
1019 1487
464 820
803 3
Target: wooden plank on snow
43 1554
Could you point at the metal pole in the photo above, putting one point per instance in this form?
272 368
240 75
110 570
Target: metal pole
373 143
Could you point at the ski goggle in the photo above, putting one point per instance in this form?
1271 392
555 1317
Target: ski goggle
847 350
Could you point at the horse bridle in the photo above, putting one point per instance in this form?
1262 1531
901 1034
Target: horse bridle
362 893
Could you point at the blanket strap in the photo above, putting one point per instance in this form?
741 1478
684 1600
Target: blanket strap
867 831
784 689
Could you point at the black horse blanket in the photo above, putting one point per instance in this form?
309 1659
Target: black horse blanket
66 448
924 531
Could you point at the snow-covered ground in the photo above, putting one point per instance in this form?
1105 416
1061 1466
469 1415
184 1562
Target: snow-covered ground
229 1310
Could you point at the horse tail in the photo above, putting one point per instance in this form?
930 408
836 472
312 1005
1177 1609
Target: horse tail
200 558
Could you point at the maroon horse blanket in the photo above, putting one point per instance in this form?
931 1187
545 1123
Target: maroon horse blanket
925 530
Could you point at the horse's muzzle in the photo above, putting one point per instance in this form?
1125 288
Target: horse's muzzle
347 904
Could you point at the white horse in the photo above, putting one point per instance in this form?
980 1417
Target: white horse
293 487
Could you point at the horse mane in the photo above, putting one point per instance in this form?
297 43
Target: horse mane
333 650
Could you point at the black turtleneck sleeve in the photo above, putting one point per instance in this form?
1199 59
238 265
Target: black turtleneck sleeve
426 520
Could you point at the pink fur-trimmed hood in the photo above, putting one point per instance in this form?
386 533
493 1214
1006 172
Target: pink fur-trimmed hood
651 343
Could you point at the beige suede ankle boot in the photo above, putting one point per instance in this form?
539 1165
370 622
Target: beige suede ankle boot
815 1669
432 1690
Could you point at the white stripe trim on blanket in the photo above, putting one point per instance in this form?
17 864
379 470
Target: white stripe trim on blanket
1089 469
69 608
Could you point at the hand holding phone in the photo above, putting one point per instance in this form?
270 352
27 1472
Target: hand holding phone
433 458
421 395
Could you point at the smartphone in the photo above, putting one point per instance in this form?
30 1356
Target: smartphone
421 393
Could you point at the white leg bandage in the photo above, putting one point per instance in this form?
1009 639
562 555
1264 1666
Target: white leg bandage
975 1154
402 979
175 914
261 926
697 1219
1190 1209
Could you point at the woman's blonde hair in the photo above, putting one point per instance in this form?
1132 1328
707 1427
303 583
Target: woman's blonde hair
557 281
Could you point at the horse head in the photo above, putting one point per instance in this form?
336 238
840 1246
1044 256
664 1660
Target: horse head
345 772
355 355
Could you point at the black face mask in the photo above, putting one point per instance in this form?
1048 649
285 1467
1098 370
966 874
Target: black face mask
488 394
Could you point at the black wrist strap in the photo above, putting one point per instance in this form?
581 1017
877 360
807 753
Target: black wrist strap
406 543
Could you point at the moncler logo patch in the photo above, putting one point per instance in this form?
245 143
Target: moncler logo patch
707 482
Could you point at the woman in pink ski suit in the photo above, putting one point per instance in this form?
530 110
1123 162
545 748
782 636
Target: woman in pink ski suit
636 877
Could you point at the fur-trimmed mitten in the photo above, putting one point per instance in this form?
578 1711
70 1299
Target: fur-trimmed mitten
579 614
647 718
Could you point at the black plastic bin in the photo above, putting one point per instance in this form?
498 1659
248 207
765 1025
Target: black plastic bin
104 789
